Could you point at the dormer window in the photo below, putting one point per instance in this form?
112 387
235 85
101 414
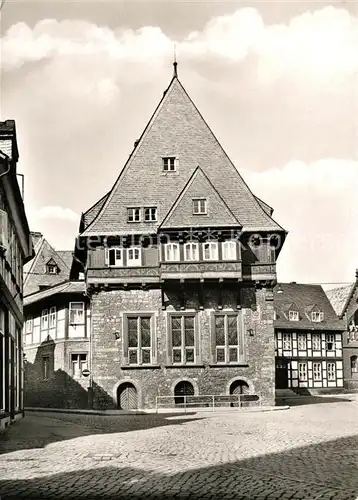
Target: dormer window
133 214
199 206
317 316
150 214
293 316
52 267
169 164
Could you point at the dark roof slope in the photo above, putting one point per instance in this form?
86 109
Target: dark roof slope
92 212
176 128
305 297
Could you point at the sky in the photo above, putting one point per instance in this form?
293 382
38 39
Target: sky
276 82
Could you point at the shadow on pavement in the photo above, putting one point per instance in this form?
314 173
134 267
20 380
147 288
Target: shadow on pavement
38 430
326 471
309 400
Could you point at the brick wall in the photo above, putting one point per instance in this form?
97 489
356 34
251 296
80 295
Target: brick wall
107 314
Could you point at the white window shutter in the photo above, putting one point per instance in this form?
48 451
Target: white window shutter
3 229
106 256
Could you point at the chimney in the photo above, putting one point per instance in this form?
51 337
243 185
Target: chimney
36 237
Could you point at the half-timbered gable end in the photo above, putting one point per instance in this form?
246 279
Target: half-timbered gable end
180 261
309 340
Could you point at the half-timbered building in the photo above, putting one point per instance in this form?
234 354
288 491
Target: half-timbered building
180 261
15 250
308 337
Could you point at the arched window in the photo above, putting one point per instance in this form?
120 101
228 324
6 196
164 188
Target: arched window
354 364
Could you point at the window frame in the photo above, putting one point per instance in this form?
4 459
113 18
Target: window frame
191 244
240 346
196 206
212 245
45 367
331 373
29 321
170 246
126 349
317 316
304 371
316 336
117 262
44 314
52 317
315 371
286 337
155 214
183 348
131 217
134 262
293 315
354 364
333 342
83 309
225 248
82 365
301 336
166 162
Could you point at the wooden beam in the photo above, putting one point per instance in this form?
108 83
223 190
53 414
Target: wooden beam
182 294
238 295
201 294
220 296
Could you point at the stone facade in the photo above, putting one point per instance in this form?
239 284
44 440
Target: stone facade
350 340
161 378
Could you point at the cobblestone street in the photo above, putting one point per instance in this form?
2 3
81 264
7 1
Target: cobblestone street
307 452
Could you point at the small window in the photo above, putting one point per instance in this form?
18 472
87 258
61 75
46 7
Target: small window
317 316
150 214
44 319
172 252
77 313
133 214
301 342
199 206
229 250
134 256
52 317
331 371
78 364
354 364
330 342
316 341
52 269
191 251
302 372
210 251
45 367
169 164
293 316
317 371
115 257
29 325
286 341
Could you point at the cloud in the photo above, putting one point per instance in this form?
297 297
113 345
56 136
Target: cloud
318 205
320 44
57 213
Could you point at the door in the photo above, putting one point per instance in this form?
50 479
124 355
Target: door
281 374
127 398
182 389
238 388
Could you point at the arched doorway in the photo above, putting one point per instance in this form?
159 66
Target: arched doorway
127 397
239 388
183 388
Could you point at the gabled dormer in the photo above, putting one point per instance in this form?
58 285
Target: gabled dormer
291 311
52 267
314 313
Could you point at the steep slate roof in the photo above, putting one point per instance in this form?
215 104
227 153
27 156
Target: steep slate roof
35 275
175 129
92 212
181 213
339 297
68 287
304 297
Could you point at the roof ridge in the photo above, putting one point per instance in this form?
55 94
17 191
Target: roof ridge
34 260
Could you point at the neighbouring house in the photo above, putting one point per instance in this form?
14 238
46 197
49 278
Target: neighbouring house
309 340
180 264
15 250
56 332
345 302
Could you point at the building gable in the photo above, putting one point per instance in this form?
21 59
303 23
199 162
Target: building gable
199 187
176 130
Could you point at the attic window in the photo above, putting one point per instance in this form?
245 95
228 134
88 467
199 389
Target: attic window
317 316
133 214
169 164
52 269
293 316
150 214
199 206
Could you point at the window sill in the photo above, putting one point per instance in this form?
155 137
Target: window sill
183 365
224 365
140 367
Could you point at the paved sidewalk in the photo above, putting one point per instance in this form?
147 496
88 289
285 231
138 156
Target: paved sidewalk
308 452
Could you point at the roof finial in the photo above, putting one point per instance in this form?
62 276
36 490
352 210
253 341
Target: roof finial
175 64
